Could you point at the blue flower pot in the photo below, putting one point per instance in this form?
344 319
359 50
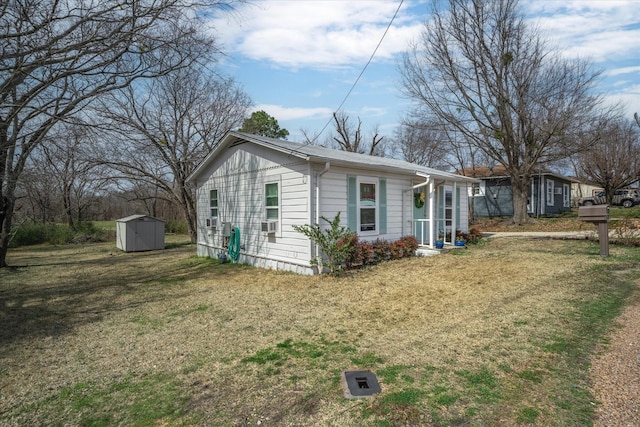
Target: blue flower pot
460 242
439 245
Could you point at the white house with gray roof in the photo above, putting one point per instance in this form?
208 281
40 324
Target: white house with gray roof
265 186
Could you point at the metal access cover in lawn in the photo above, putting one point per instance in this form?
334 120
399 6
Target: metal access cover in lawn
358 384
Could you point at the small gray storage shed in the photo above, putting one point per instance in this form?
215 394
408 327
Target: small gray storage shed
139 233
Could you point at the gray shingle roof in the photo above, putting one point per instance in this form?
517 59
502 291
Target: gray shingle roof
318 154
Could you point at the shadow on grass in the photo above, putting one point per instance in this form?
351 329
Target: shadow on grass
94 281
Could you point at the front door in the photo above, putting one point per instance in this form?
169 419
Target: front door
420 215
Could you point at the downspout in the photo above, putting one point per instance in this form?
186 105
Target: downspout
327 166
454 210
432 220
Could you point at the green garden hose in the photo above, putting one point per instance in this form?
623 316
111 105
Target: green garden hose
234 244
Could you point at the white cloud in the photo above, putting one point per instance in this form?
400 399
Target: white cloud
373 111
623 70
293 113
320 34
601 30
629 96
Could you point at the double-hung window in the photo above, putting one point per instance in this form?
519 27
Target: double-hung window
367 206
213 203
272 201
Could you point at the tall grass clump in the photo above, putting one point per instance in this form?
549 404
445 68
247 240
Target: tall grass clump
33 233
175 226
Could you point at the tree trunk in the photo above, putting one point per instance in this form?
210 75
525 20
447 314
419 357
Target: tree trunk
191 226
68 209
520 192
6 217
188 206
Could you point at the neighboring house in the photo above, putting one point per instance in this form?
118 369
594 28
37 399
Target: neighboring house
265 186
492 197
581 189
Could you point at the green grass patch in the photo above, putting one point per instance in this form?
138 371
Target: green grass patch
527 415
533 376
481 384
367 360
154 400
391 374
305 351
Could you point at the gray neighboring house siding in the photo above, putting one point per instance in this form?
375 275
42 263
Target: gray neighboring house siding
549 194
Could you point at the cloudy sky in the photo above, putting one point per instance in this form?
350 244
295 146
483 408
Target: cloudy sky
298 60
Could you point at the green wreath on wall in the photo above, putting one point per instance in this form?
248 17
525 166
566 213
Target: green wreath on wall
418 200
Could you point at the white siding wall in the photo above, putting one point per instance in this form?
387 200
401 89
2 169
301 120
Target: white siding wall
240 177
333 199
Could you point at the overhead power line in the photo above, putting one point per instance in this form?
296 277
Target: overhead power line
363 70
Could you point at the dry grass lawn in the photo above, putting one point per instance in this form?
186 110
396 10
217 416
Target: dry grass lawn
496 334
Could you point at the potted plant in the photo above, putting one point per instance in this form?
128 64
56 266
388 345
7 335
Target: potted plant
439 243
460 240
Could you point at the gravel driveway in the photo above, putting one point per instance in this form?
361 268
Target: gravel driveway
615 374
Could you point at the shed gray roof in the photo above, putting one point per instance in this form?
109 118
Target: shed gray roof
317 154
135 217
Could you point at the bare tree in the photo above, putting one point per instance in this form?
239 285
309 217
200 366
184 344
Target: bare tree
37 197
169 125
58 56
614 162
480 70
350 137
68 166
423 143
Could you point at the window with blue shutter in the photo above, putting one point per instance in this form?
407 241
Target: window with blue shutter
367 205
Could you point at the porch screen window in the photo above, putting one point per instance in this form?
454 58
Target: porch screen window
213 203
272 201
367 206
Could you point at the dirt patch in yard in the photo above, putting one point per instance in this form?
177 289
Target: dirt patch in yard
476 336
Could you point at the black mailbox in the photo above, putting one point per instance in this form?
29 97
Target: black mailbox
595 213
598 215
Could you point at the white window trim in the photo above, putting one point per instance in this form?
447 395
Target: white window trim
480 186
550 192
566 195
278 181
376 182
216 208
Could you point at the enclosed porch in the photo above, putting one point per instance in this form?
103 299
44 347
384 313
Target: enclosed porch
440 208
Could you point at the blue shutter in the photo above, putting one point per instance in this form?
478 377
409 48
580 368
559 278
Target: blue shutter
352 203
383 206
457 207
